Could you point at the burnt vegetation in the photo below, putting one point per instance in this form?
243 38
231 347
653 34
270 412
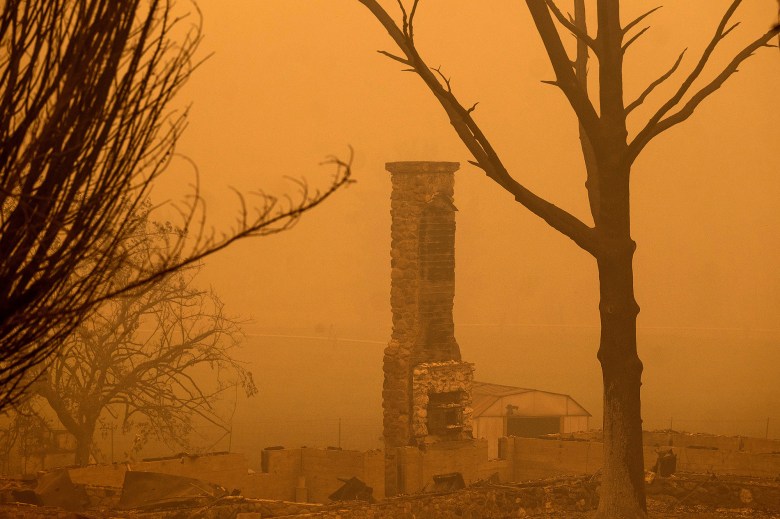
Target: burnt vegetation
609 153
155 359
86 126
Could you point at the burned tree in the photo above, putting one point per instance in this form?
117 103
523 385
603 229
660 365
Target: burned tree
26 433
86 125
155 358
609 154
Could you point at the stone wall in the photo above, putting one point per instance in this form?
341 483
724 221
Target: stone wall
316 472
226 469
539 458
710 441
696 440
320 471
311 475
306 475
416 467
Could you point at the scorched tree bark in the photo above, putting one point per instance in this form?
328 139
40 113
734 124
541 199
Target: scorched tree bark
609 155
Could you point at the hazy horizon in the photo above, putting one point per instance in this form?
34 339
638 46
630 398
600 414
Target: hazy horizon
290 83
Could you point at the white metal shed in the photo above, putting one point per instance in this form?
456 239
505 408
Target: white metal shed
515 411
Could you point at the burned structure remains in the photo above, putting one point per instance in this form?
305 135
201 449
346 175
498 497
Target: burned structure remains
427 387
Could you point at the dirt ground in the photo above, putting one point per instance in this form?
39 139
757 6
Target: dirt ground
667 509
664 510
667 498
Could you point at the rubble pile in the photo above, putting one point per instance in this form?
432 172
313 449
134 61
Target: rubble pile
713 491
690 495
148 495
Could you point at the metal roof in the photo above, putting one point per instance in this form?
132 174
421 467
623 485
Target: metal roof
484 395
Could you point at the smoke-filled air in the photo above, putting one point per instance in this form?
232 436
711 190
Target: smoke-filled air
381 238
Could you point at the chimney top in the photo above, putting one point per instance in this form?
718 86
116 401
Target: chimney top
421 166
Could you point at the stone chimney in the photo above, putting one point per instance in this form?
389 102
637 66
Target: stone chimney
427 388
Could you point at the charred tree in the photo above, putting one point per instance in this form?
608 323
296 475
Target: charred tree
609 154
154 359
86 125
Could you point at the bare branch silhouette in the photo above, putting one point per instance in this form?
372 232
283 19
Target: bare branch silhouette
608 159
660 122
635 37
86 126
639 19
572 27
639 100
477 143
140 357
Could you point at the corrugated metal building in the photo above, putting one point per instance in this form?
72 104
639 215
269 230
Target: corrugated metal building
515 411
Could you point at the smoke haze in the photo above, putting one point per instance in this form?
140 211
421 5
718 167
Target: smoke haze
292 82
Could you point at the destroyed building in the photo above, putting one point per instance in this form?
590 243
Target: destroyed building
429 395
427 386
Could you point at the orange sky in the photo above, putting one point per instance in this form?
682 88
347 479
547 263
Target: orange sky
295 80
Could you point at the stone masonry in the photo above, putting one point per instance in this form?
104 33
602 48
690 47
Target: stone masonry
422 295
433 379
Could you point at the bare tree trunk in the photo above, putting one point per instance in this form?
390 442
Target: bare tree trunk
83 446
622 489
82 429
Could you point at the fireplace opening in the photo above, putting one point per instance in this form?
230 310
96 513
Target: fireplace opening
445 414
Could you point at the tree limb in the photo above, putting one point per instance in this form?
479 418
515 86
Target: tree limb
576 31
588 154
396 58
650 131
85 128
633 39
639 100
565 77
639 19
477 143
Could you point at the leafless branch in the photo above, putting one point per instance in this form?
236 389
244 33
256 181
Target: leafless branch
657 125
394 57
592 180
566 79
639 100
411 20
634 38
86 125
443 77
639 19
485 157
572 28
646 133
405 18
